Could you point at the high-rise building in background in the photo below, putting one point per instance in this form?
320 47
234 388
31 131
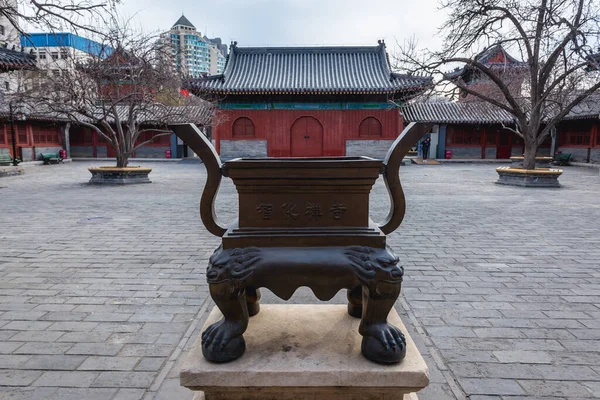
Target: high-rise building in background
9 35
56 53
190 53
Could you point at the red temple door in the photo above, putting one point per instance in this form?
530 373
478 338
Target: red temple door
504 147
307 138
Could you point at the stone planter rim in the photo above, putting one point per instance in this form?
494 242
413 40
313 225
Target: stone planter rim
537 171
108 175
117 169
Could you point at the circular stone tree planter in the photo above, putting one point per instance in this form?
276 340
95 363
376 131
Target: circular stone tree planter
119 176
540 162
539 177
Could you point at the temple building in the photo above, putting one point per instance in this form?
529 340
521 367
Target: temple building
307 101
579 132
472 128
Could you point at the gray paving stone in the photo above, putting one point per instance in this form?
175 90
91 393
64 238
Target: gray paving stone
151 317
474 292
451 332
22 315
147 350
508 371
27 325
172 389
498 333
53 362
71 379
89 337
9 347
150 364
555 388
566 372
101 349
490 386
524 357
33 336
124 379
43 348
107 317
64 316
594 388
18 378
129 394
12 361
79 394
133 338
96 363
73 326
12 393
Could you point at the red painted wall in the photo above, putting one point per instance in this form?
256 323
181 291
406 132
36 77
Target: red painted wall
275 126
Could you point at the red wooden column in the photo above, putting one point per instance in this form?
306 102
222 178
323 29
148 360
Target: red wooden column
29 133
594 135
95 144
483 139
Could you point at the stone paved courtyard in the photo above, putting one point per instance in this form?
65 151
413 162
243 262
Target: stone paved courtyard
101 289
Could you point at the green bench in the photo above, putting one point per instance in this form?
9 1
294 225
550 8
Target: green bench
50 158
6 159
561 159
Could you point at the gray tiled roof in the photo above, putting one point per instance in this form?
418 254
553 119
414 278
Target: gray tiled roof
587 109
318 70
11 60
198 114
484 113
456 113
184 22
485 58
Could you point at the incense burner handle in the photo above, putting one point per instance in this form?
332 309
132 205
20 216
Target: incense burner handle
195 139
391 173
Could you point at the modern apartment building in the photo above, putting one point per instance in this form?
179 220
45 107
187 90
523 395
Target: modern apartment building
57 52
190 53
9 36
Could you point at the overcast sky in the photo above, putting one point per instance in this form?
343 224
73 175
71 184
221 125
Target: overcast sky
297 22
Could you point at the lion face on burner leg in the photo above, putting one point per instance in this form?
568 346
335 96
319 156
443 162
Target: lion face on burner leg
372 265
232 264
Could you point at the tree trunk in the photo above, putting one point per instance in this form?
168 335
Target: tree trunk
530 153
122 160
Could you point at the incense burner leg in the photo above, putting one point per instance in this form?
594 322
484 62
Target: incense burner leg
223 340
355 301
382 342
227 276
381 277
252 300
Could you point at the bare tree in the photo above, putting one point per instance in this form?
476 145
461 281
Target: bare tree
120 91
555 39
54 15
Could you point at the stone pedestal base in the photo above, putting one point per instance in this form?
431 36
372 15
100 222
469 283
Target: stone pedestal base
119 176
539 177
412 396
304 352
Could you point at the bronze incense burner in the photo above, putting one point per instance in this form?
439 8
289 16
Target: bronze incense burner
304 222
